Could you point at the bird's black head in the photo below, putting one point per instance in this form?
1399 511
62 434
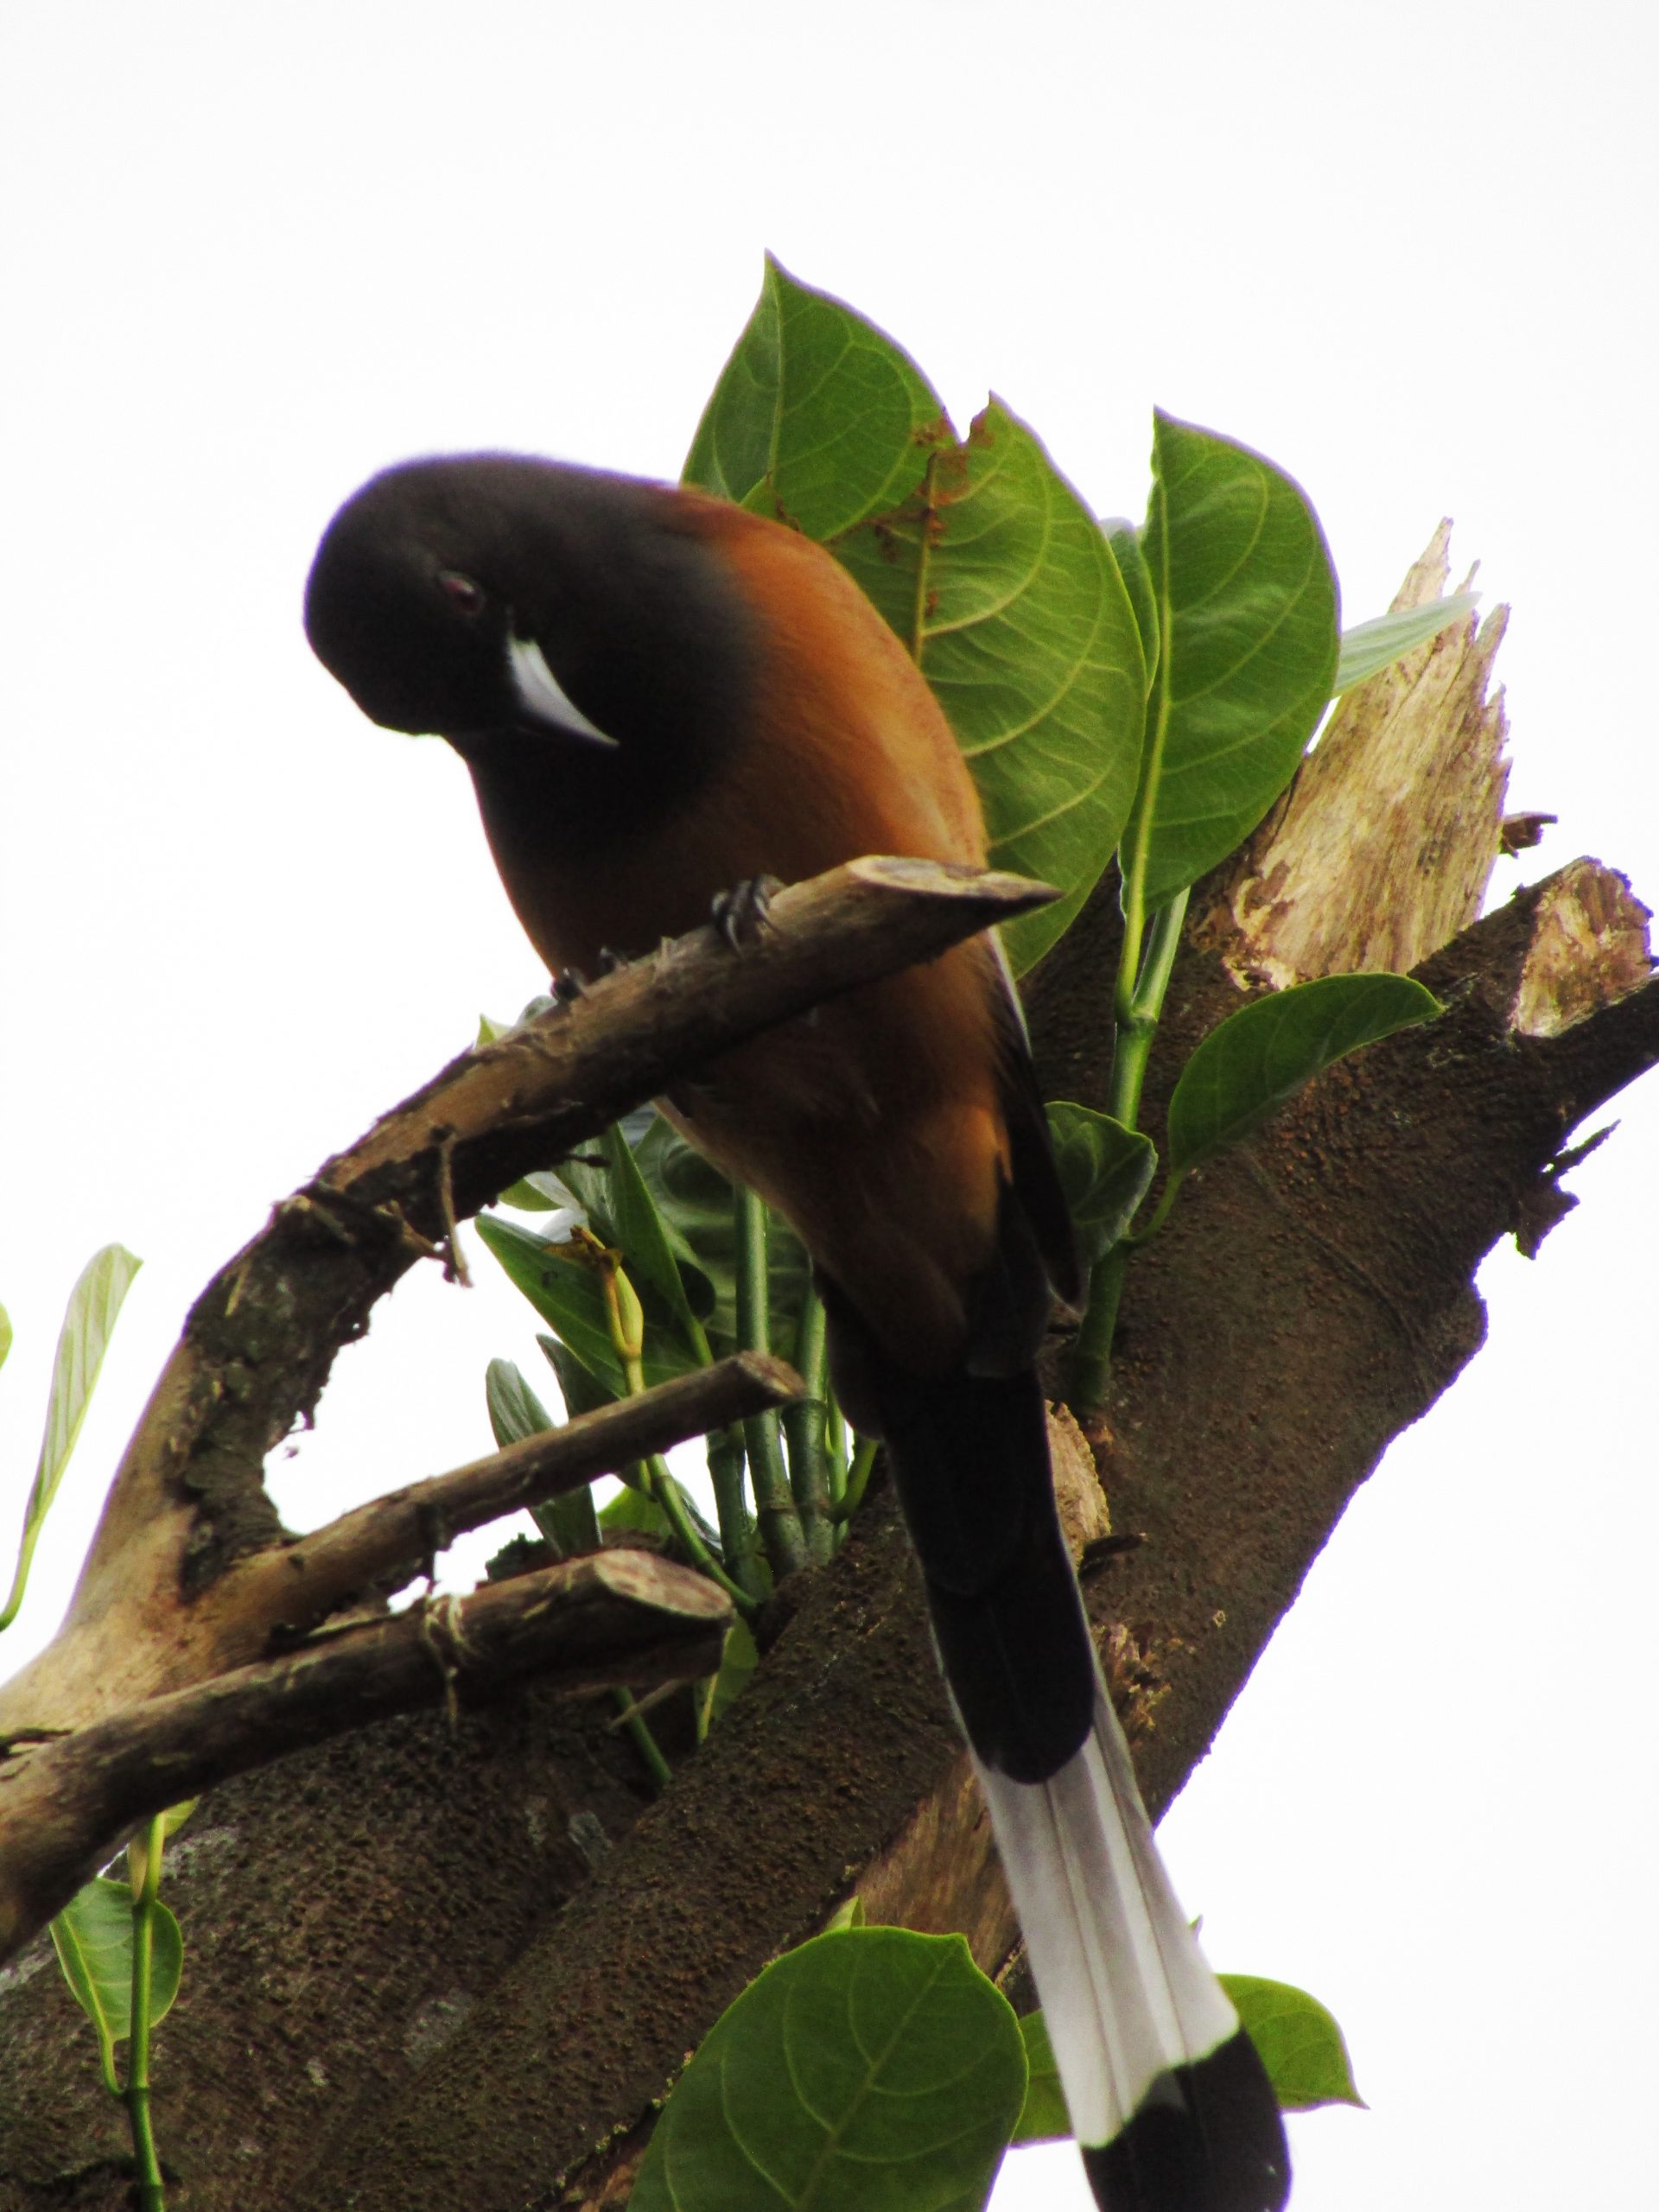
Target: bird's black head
546 618
397 607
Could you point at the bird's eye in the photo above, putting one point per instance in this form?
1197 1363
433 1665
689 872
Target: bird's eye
460 591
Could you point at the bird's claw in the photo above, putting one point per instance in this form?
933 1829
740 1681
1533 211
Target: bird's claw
571 984
741 914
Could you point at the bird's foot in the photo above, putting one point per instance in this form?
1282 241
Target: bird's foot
740 914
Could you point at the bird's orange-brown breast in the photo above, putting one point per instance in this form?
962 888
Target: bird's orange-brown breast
874 1125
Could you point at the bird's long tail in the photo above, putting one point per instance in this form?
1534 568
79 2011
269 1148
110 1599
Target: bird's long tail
1166 2094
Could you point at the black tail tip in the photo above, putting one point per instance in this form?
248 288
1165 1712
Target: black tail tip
1207 2137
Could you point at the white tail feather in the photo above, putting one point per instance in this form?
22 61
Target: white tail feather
1126 1992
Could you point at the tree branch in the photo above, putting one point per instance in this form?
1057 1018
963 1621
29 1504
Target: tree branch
302 1583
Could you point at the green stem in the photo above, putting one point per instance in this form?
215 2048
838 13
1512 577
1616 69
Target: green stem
1134 861
1091 1355
151 2195
1140 1008
775 1501
1166 925
727 1463
803 1427
838 1462
858 1476
20 1579
1128 956
1138 1001
665 1489
660 1484
1131 1050
835 1453
644 1742
1160 1213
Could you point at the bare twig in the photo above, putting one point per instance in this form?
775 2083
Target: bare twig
302 1583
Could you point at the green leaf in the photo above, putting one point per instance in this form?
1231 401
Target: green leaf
1300 2044
655 1254
738 1659
631 1512
515 1410
5 1335
1105 1172
93 1936
167 1961
569 1522
83 1343
94 1303
1247 611
1298 2041
581 1391
1043 2117
999 584
871 2070
817 416
582 1186
529 1195
1260 1056
1369 646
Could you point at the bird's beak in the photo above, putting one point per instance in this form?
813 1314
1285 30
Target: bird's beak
544 698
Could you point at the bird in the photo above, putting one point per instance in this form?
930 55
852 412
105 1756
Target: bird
661 696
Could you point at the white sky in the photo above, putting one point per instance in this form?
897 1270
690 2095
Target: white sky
249 254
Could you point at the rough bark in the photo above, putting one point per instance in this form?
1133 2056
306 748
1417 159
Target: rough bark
407 1986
